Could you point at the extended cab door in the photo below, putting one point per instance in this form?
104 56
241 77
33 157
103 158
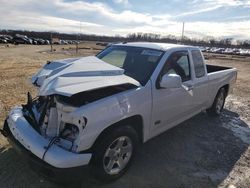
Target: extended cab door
200 81
173 105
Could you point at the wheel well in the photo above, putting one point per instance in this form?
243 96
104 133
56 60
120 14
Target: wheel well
226 88
133 121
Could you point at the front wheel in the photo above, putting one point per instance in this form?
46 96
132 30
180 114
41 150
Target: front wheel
114 152
218 104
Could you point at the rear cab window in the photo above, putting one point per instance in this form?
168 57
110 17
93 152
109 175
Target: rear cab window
198 62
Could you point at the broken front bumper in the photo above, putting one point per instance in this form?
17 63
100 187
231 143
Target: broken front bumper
19 128
58 175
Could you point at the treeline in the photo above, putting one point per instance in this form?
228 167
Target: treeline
207 41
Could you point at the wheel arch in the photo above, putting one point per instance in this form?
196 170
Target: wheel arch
226 88
135 122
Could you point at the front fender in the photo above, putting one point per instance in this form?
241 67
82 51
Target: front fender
106 112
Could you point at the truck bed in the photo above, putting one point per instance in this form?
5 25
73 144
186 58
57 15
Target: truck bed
215 68
219 76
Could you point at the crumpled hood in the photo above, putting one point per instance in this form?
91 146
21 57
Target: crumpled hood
70 76
49 67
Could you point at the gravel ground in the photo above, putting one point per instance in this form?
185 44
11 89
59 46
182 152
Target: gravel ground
201 152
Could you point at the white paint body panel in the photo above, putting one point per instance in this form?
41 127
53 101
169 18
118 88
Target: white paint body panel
170 106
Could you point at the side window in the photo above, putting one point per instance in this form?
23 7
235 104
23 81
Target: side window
199 68
178 63
116 57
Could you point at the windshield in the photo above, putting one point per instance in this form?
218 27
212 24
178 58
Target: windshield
138 63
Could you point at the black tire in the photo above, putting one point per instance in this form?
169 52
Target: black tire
105 142
218 103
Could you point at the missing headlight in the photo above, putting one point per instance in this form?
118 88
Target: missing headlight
69 132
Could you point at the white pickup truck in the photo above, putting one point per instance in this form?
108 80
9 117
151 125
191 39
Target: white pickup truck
93 111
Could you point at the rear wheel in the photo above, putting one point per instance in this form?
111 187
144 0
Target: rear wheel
218 104
113 153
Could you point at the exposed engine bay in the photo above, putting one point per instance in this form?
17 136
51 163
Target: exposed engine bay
47 117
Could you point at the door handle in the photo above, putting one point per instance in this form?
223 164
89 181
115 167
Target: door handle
189 88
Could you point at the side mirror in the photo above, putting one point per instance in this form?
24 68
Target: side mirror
170 81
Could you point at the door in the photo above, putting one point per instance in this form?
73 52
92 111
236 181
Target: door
172 105
200 81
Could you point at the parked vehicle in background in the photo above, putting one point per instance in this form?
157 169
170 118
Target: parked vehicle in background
63 42
227 51
47 42
244 52
21 39
3 40
40 41
34 41
9 38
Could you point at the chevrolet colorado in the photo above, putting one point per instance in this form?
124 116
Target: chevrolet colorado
93 111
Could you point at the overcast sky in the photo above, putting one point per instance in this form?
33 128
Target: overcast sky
217 18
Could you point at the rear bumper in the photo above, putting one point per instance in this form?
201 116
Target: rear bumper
23 133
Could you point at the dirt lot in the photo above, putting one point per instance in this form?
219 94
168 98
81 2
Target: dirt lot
201 152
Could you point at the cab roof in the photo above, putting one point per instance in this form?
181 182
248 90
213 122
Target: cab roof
157 46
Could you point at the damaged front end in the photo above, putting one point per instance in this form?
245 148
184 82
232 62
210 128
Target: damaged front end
44 128
51 126
50 118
